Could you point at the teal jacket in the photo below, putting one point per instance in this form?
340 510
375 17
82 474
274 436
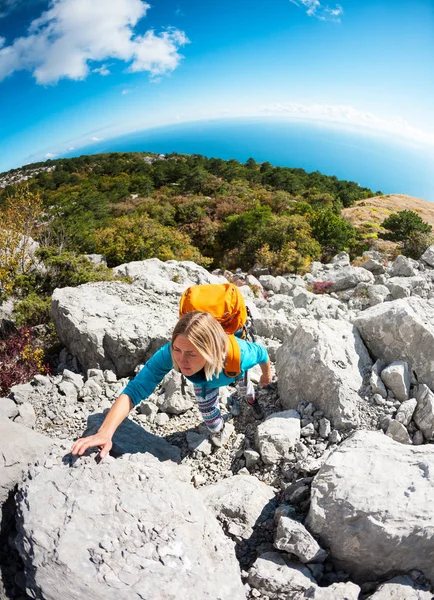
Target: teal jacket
153 372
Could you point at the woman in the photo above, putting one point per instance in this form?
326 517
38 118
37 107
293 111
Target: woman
198 350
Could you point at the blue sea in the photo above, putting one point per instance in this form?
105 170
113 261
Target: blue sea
379 163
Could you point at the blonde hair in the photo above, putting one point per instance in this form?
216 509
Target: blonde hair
207 336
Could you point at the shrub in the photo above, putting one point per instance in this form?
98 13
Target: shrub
322 287
402 224
33 310
21 359
69 269
333 232
18 224
416 244
285 260
139 238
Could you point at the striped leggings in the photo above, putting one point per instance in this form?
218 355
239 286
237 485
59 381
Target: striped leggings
208 401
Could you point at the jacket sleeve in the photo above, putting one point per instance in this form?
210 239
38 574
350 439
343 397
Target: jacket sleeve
151 374
252 354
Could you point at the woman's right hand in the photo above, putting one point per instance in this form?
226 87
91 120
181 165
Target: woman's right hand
101 440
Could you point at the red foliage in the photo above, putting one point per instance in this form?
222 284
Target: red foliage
322 287
20 359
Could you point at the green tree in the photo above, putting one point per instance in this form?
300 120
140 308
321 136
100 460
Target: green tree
138 238
333 232
402 224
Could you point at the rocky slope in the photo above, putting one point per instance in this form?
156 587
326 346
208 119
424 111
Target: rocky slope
328 498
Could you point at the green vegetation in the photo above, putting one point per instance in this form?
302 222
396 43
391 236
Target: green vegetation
402 224
34 288
410 230
133 206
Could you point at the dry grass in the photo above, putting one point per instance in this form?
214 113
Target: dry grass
375 210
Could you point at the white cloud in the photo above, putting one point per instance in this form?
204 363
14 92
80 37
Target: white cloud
96 139
124 92
102 70
324 13
350 116
73 33
50 155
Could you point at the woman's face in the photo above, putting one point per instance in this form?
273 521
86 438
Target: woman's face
188 359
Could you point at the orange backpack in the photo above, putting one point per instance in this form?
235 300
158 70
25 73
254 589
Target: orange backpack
225 303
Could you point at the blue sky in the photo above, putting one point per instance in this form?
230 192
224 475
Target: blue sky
73 72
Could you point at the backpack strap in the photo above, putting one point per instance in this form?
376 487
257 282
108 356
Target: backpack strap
232 366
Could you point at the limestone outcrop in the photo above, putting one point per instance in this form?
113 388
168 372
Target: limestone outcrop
328 498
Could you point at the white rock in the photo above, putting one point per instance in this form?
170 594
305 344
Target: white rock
358 501
397 378
8 408
400 588
239 502
292 537
401 330
26 415
398 432
424 413
277 435
405 412
323 362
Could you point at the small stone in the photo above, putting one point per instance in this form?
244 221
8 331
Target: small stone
307 431
324 428
398 432
309 410
198 480
252 458
161 419
405 411
378 399
335 437
418 438
109 376
243 471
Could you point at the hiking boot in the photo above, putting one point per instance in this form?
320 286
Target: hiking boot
258 411
221 438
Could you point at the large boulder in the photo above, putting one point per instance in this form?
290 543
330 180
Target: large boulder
273 323
19 446
403 267
113 325
131 528
170 277
323 362
428 256
371 505
343 278
401 330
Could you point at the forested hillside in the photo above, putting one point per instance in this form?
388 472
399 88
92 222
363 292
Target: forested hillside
132 206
